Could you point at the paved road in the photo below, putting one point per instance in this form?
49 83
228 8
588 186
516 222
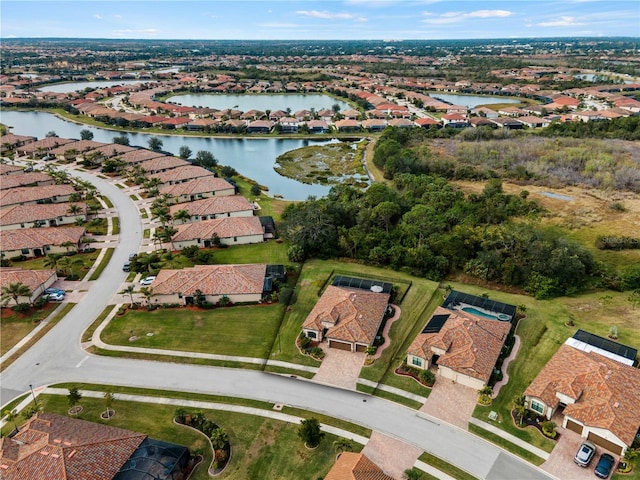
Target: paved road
57 357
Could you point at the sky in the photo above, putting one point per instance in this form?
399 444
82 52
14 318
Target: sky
319 20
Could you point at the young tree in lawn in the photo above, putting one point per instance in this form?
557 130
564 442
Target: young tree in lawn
10 416
52 261
108 402
74 397
310 433
344 445
14 291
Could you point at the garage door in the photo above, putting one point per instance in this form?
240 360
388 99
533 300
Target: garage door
339 345
604 443
361 348
574 427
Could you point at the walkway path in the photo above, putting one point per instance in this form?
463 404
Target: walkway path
505 364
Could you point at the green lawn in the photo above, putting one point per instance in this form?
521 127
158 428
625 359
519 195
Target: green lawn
16 326
103 264
507 445
446 467
270 252
261 448
38 263
247 331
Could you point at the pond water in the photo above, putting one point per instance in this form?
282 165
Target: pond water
75 86
252 157
472 101
262 102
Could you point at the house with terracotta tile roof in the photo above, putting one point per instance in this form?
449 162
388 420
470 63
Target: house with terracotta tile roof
28 179
36 242
355 466
455 120
347 125
229 230
140 155
215 207
465 347
109 150
162 164
427 122
11 141
42 146
36 280
401 123
79 147
347 318
318 126
596 394
51 215
374 124
34 195
6 169
241 283
174 176
197 189
55 447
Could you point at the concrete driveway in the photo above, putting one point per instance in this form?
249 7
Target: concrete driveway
451 402
561 465
340 368
393 456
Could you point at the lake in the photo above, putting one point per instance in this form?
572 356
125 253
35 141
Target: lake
252 157
75 86
472 101
262 102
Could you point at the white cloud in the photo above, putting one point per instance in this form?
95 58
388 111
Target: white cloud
454 17
97 16
325 15
564 21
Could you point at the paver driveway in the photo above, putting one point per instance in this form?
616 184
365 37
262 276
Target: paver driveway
340 368
390 454
451 402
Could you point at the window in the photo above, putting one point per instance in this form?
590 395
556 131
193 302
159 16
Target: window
537 406
235 239
311 334
25 251
416 361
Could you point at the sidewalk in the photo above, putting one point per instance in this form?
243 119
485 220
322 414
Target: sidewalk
512 438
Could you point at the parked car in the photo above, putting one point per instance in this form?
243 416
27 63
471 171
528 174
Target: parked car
147 280
132 256
56 296
126 267
585 454
605 465
50 290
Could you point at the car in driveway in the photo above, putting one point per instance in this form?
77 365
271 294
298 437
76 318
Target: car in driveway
55 296
585 454
50 290
604 465
147 280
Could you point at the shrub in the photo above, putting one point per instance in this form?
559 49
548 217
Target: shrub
255 189
18 258
21 308
305 342
549 429
190 252
41 302
428 377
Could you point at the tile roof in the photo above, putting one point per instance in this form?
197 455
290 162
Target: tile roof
607 392
111 150
355 466
198 185
225 227
211 280
39 237
54 447
214 205
46 143
31 278
180 174
16 214
140 155
5 168
80 146
352 315
28 178
472 344
12 139
166 162
32 194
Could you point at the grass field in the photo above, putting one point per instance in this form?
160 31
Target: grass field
247 331
261 448
16 326
38 263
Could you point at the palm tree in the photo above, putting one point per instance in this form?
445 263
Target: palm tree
343 445
74 263
129 290
74 209
67 245
167 234
182 215
147 293
162 213
10 416
52 261
65 264
15 291
158 236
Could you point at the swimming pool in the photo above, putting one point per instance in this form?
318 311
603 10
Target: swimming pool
475 311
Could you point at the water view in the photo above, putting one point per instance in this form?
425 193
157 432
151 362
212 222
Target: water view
244 103
75 86
252 157
472 101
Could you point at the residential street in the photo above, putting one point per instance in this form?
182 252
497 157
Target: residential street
58 357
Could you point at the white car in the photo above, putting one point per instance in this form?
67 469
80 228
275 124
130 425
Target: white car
147 280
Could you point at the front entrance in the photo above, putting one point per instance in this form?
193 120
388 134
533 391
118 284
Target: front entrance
188 300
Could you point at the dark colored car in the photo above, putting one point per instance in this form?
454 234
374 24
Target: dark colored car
585 453
605 465
126 267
